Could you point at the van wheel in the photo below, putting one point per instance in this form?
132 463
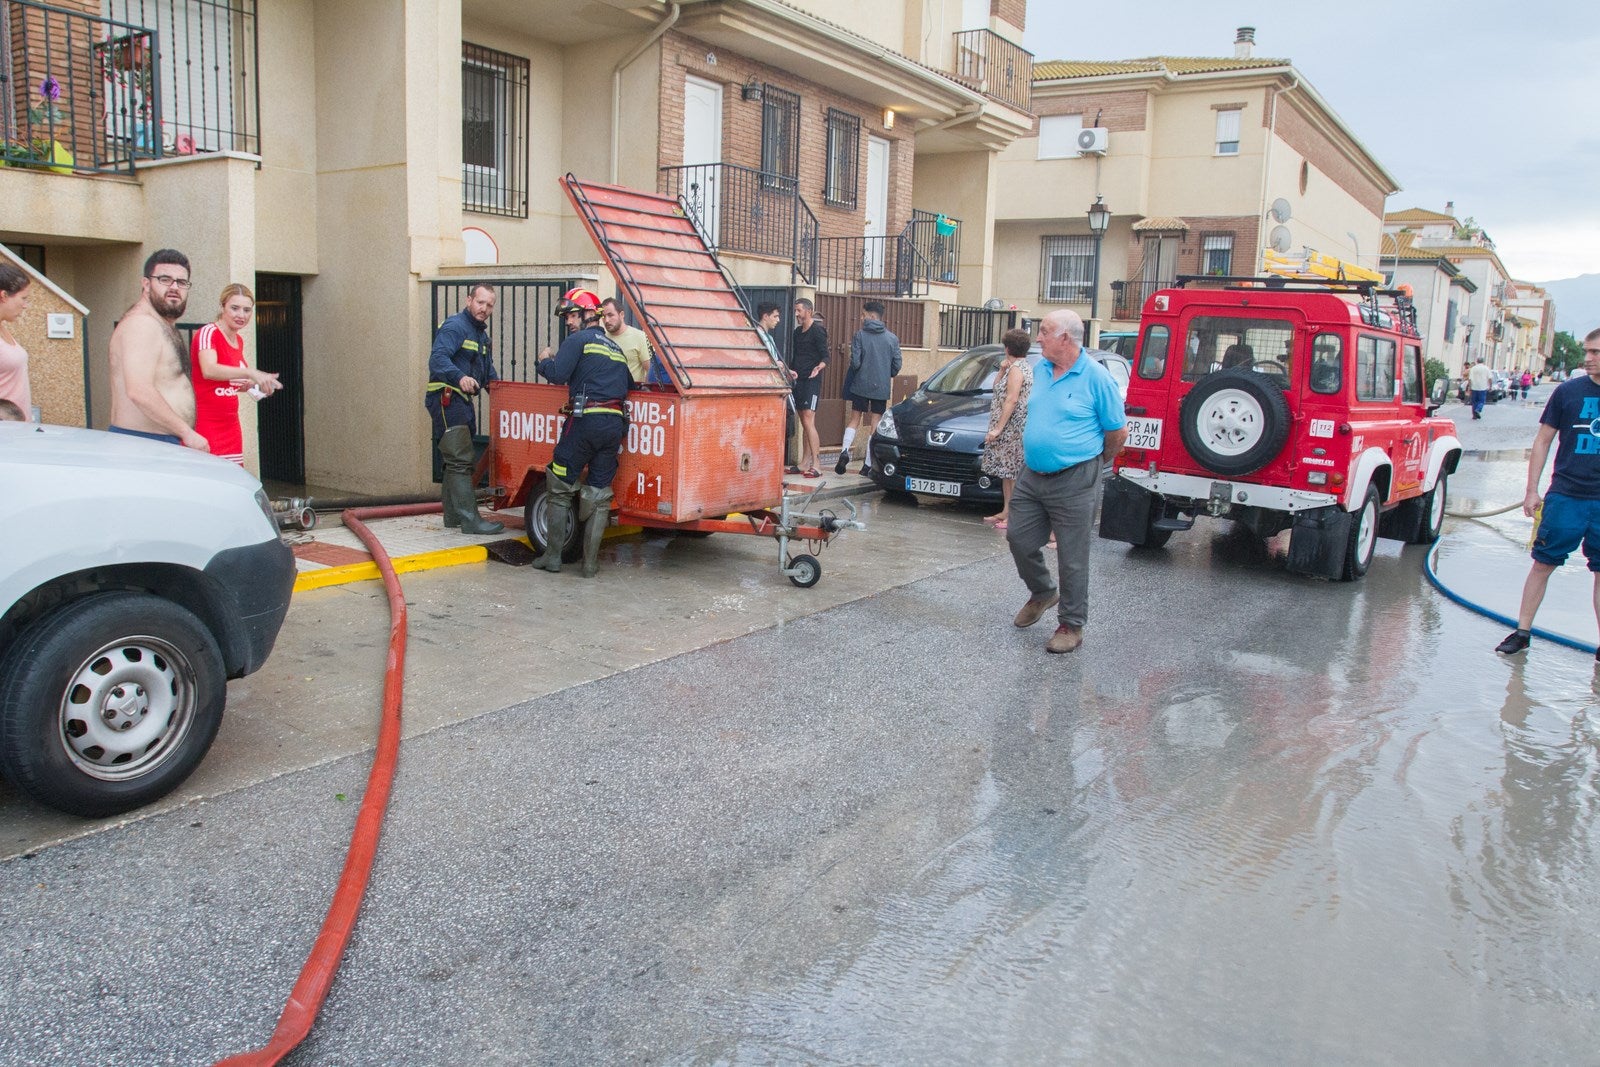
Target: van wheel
1431 520
1363 538
1234 422
536 524
109 702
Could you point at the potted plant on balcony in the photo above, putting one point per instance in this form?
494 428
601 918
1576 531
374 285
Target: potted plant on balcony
42 149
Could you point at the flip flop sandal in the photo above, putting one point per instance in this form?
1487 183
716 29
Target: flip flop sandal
812 473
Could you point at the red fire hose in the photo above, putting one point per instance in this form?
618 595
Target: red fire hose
316 977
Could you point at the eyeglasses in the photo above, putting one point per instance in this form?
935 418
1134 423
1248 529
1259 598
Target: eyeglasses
167 281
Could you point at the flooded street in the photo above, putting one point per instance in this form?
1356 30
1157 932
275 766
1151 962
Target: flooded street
1255 820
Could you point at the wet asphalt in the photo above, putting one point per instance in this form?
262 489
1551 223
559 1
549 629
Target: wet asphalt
1255 820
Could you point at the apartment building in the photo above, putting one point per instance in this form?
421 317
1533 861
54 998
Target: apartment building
1486 332
1440 293
1202 163
360 162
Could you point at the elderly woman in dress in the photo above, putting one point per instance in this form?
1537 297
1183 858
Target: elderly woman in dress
1002 445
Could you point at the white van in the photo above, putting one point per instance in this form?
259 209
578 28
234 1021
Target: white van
136 578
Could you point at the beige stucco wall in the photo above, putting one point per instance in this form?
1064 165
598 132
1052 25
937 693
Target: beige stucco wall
1018 255
364 372
1034 188
1325 214
1187 177
286 184
964 185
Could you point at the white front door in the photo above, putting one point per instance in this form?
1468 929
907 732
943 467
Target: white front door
877 214
702 152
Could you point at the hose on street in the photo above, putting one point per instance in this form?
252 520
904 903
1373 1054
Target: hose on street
1470 605
316 977
1484 514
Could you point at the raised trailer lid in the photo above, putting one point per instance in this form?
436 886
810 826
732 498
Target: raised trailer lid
677 289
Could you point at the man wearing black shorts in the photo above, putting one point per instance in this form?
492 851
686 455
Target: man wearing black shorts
808 356
1571 513
874 361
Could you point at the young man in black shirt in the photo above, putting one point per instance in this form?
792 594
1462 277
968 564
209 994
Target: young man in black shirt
808 357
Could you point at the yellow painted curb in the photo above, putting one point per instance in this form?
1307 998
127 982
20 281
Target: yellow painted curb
362 572
324 577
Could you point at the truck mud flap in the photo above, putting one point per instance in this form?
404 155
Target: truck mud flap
1124 511
1319 542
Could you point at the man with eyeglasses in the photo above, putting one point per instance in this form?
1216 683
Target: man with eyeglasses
1570 512
151 395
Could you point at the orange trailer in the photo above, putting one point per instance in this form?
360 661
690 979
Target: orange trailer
703 454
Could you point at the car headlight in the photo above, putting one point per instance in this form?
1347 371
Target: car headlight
887 428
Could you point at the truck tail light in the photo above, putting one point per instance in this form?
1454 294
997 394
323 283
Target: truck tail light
1338 479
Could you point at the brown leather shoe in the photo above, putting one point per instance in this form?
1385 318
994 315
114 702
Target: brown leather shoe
1035 608
1065 639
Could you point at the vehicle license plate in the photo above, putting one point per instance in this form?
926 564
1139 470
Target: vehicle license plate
1144 433
927 485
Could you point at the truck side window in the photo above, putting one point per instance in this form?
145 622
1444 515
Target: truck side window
1327 363
1153 358
1374 369
1411 375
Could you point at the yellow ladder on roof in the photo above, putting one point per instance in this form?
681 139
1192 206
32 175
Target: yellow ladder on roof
1311 265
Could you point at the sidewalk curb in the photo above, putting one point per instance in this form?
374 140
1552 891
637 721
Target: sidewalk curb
328 577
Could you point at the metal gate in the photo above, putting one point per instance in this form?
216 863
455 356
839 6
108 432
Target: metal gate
280 421
842 316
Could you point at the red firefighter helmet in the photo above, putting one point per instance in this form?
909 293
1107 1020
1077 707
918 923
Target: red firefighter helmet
581 300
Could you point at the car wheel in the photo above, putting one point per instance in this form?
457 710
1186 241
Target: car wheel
1234 422
536 524
1363 537
808 570
1431 520
109 702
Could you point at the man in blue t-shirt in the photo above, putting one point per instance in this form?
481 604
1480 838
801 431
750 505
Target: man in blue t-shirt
1075 423
1572 507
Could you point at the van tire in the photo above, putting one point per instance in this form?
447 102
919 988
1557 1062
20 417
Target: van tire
1234 422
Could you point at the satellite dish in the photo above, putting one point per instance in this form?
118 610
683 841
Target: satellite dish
1280 210
1279 239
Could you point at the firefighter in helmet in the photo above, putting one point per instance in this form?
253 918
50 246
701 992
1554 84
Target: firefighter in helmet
595 372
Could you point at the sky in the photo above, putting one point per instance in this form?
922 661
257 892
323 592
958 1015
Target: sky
1493 106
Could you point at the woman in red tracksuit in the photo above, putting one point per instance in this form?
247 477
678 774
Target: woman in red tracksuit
220 374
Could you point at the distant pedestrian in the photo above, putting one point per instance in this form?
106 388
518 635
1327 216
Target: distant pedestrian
1075 423
1008 413
1527 384
874 361
1571 509
1479 378
808 358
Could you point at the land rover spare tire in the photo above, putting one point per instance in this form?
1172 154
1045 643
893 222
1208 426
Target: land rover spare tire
1233 422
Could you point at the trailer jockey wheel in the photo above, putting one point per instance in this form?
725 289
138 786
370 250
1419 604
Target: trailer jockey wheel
807 570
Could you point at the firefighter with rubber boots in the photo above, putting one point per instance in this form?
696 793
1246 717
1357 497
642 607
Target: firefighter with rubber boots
595 372
459 368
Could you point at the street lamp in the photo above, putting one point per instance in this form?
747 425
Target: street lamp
1099 222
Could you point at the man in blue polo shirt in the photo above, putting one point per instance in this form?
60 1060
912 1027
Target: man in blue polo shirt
1075 423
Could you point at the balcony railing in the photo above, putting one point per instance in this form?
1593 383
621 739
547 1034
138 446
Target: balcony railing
937 239
1131 295
884 266
80 92
995 67
91 93
746 210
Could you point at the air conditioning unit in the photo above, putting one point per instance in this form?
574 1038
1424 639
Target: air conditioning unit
1094 140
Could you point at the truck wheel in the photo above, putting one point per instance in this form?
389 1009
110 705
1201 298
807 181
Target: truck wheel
1234 422
1363 538
1431 520
536 523
109 702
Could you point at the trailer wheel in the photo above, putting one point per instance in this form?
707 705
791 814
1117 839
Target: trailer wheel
536 522
808 570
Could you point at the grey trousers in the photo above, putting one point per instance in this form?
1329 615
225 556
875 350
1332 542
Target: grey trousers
1062 503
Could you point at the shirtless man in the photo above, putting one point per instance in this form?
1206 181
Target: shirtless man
151 394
